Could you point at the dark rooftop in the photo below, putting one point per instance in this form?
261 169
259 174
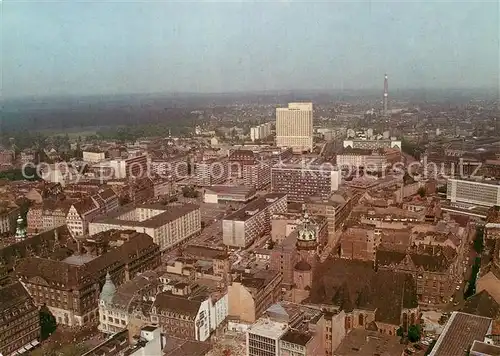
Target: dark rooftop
254 207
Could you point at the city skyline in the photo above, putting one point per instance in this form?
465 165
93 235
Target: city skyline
53 49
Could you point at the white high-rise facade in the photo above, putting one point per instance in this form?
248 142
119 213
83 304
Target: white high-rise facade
294 126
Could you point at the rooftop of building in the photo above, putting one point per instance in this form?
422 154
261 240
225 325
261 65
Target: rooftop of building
350 284
180 347
366 342
482 304
428 258
255 207
231 190
459 333
484 349
10 296
74 274
266 327
168 213
297 337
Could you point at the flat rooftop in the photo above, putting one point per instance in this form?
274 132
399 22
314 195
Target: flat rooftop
79 260
170 213
268 328
255 207
231 189
460 333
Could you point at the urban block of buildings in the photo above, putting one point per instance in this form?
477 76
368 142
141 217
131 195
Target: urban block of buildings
168 226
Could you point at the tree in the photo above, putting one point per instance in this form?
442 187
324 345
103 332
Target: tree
478 241
47 322
400 332
421 191
189 192
414 333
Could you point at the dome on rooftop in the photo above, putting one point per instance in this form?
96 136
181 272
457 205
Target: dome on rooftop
306 230
108 290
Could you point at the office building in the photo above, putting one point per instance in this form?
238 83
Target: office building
485 193
169 226
69 287
242 227
300 182
294 127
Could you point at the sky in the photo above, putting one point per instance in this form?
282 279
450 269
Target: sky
102 47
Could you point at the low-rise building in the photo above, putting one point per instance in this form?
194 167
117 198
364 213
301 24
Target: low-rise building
169 226
129 305
189 312
81 213
242 227
460 333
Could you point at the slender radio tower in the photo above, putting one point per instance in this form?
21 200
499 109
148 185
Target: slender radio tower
386 94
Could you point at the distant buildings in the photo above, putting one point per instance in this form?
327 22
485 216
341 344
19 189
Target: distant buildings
93 156
243 227
372 144
294 127
19 320
120 168
210 172
70 287
255 171
260 132
169 226
301 181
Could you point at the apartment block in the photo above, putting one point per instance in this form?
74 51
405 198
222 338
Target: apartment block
300 182
241 228
485 193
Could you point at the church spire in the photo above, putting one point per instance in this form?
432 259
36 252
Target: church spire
20 230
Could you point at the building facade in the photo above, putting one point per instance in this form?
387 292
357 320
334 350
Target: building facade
300 182
70 288
241 228
19 320
485 193
294 127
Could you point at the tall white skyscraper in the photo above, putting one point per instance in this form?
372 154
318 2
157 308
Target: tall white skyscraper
294 126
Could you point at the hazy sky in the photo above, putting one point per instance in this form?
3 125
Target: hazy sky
97 47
